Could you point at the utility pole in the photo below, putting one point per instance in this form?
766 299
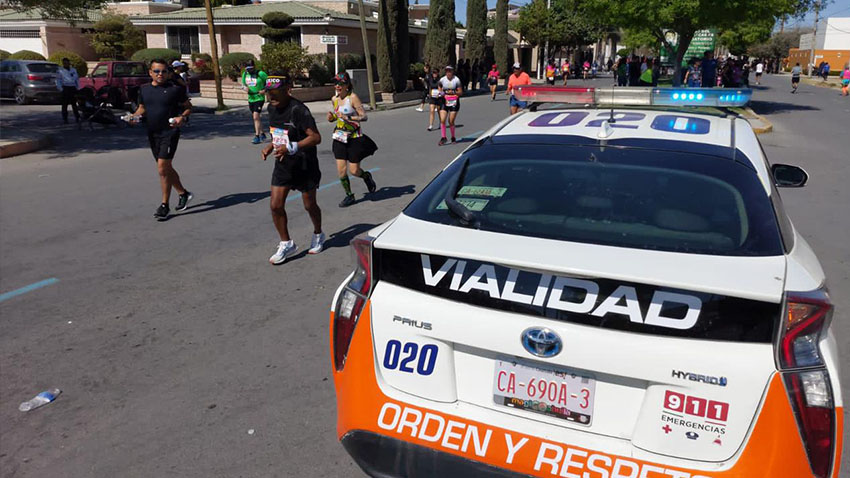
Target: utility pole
814 40
542 61
214 55
368 56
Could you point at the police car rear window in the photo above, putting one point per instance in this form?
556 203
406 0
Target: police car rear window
626 197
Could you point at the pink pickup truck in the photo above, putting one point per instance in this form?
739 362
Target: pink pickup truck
119 82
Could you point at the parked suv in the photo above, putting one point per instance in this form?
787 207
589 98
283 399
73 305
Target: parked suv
26 80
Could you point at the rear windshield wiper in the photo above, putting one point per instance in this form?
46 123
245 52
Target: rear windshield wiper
466 217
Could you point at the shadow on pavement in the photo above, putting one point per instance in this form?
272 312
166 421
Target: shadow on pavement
771 107
390 192
227 201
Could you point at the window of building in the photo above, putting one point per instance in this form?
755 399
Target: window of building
183 39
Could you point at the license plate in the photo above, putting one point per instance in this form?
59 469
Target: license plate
555 393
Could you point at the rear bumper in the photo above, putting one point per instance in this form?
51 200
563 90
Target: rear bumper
42 92
391 438
384 457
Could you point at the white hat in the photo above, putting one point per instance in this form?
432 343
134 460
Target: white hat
177 63
516 65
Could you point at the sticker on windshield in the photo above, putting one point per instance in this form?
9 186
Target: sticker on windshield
471 204
486 191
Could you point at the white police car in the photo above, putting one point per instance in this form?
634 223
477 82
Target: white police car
588 292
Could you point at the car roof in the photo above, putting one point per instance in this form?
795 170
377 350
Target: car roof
670 129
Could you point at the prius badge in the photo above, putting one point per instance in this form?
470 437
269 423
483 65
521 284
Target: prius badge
541 342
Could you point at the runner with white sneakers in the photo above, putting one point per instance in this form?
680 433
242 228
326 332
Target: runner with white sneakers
296 166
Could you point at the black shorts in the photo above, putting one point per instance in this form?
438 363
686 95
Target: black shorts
297 172
433 101
492 81
795 80
164 143
454 108
256 106
758 74
355 150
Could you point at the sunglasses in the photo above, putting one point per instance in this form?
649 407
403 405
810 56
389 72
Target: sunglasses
159 72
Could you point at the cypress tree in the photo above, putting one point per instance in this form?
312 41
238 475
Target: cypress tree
500 36
393 45
476 30
441 36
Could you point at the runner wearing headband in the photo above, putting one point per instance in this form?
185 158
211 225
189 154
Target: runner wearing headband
350 145
296 164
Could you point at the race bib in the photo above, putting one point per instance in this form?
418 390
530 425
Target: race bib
250 81
280 138
341 136
435 92
451 100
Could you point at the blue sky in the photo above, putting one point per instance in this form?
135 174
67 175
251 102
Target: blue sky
460 7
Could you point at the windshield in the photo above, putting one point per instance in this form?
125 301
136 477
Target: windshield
42 67
626 197
129 69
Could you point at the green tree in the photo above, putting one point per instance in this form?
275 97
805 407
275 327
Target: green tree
743 35
777 46
565 24
500 36
476 30
70 10
440 37
393 45
115 37
286 57
686 17
277 27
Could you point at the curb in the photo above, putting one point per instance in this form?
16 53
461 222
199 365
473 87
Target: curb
750 114
18 148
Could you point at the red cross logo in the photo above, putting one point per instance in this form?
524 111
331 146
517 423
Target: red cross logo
666 429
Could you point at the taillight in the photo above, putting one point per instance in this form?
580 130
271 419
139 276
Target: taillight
35 77
806 319
352 299
811 398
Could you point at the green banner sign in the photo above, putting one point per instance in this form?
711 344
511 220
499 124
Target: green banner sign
703 40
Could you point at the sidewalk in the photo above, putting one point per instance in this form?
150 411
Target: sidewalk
15 141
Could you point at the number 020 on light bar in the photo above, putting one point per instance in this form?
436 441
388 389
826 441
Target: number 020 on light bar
558 394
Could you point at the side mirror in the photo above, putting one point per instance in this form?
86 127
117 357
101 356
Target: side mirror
788 176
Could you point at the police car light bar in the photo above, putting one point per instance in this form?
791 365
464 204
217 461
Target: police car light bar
623 96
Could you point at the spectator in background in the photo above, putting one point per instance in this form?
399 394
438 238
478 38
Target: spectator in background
824 71
646 76
68 82
709 70
634 71
476 75
622 72
610 64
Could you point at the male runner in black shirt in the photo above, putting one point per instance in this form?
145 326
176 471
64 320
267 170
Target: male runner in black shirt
296 166
166 106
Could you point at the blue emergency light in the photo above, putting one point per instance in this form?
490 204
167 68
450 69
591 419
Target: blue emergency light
636 96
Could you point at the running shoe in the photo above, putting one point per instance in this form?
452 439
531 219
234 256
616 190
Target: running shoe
256 140
263 137
442 141
285 250
161 213
370 183
454 140
419 109
317 243
183 202
348 201
430 128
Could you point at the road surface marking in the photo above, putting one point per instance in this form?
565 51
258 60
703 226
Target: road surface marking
29 288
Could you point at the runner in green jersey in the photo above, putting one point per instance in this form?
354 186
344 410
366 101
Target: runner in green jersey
254 83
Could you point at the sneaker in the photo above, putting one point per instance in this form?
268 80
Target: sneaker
370 183
317 243
284 251
183 202
263 137
161 213
442 141
454 140
430 128
256 140
419 109
348 201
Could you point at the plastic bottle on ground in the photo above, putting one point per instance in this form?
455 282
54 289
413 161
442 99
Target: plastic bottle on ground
41 399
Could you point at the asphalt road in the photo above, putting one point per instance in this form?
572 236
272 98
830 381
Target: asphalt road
173 341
